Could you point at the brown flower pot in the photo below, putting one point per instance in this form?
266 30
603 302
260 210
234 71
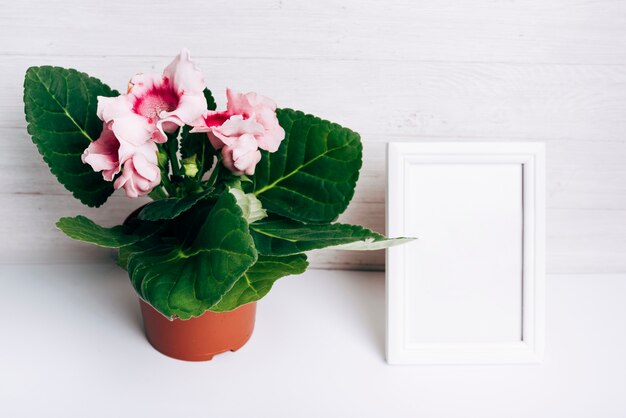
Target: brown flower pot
199 339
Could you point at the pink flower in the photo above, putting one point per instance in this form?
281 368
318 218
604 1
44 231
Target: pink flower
155 104
109 154
242 155
141 173
250 115
260 109
103 154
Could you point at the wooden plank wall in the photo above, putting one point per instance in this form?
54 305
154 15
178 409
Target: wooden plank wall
403 70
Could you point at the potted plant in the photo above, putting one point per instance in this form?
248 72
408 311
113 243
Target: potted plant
238 195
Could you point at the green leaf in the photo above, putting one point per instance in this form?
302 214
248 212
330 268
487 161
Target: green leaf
210 101
187 274
171 207
124 253
84 229
198 145
280 237
60 107
311 178
258 280
250 206
153 235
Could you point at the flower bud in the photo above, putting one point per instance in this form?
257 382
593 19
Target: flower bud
190 166
162 158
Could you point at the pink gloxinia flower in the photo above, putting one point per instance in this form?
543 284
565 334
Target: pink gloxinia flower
242 155
155 104
141 173
108 154
250 115
103 154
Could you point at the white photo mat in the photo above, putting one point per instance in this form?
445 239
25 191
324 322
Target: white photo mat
470 289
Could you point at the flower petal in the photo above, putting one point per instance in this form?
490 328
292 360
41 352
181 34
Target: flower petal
262 111
110 108
244 145
132 128
145 162
102 154
215 141
247 163
125 152
242 156
236 126
273 133
190 108
185 75
248 103
126 180
133 182
140 84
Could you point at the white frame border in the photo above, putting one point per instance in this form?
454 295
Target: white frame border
531 155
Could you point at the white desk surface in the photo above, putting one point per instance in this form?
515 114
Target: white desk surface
71 345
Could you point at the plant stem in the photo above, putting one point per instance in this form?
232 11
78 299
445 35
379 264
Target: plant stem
165 180
158 193
213 178
172 150
200 162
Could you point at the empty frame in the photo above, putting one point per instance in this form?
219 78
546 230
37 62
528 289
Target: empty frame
470 288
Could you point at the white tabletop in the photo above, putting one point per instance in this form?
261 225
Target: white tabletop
71 345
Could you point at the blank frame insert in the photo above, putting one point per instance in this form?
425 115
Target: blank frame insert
468 218
470 288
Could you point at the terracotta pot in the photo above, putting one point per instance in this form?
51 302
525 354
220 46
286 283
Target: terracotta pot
199 339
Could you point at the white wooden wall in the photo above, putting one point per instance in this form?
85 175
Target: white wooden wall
403 70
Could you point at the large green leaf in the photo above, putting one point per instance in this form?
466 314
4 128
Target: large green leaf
279 237
84 229
187 274
60 106
171 207
151 236
311 177
124 253
258 280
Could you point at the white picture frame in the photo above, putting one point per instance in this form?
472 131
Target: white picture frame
416 321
